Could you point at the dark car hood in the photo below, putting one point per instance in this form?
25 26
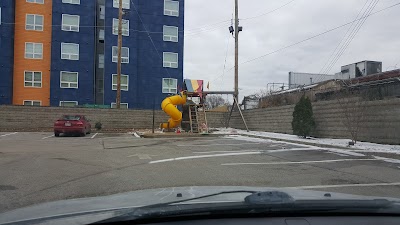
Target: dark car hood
107 204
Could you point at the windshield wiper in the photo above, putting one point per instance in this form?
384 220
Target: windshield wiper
255 203
131 213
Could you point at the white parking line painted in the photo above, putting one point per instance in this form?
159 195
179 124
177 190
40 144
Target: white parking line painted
262 140
390 160
142 156
48 137
4 135
339 154
265 151
219 152
218 145
347 185
345 152
293 149
301 162
94 135
205 156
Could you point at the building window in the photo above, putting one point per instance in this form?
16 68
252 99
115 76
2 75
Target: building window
69 79
124 54
33 79
170 33
170 86
125 27
36 1
102 9
124 82
68 103
170 60
34 22
171 8
0 15
101 61
76 2
70 23
126 4
101 35
70 51
122 105
33 50
32 103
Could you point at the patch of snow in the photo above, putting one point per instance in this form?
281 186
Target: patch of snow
388 159
359 147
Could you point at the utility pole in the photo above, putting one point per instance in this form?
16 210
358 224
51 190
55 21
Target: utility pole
236 31
118 101
236 50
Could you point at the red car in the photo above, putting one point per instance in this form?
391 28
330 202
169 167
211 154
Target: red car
72 124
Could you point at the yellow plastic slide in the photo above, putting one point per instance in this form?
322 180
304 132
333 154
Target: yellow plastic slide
169 107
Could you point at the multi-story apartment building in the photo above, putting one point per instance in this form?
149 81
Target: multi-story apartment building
64 52
6 51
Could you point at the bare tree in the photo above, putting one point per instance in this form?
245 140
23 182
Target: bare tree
353 106
214 101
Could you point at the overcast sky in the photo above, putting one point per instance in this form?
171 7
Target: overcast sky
207 39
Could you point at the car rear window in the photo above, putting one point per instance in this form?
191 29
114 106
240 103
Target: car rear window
71 117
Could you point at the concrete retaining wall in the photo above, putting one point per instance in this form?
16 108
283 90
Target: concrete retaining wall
381 123
17 118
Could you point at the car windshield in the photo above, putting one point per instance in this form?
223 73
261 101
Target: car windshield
66 117
113 104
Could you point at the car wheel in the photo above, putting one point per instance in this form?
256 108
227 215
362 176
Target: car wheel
83 134
56 134
89 131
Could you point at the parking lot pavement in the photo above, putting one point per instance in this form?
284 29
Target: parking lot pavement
38 167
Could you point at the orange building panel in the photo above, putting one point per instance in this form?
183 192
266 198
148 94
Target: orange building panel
21 63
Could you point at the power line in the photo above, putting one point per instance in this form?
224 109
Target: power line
191 31
354 33
312 37
269 12
226 54
209 25
344 37
148 34
225 26
347 37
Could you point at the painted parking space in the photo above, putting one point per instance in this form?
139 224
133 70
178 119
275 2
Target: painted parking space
5 134
66 164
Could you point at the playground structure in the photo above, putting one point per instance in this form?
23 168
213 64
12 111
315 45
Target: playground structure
190 116
169 106
193 117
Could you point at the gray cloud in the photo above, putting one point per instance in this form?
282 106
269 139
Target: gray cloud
205 46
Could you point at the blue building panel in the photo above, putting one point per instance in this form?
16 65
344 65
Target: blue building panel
85 66
145 68
7 21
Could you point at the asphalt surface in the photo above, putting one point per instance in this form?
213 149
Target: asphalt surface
38 167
